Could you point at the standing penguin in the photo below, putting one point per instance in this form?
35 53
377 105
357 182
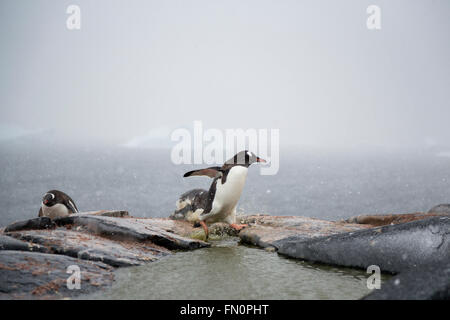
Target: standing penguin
219 203
57 204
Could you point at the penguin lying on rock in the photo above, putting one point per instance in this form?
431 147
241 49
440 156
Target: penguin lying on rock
219 203
56 204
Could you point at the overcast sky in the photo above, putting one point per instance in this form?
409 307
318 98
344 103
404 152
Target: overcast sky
310 68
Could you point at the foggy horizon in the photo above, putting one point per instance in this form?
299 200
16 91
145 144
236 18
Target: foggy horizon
313 71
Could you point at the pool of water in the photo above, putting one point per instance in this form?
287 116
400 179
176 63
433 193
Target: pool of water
228 270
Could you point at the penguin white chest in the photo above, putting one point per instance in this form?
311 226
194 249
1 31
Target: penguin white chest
228 194
57 210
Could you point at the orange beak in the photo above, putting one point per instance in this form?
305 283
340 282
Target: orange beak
258 159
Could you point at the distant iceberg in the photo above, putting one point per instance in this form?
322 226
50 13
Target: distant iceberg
11 132
156 138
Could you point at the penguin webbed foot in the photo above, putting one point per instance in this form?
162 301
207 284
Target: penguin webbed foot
205 228
238 227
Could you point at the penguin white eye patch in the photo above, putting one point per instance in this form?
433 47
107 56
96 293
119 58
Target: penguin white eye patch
52 195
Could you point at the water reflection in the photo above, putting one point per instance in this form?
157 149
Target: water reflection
228 270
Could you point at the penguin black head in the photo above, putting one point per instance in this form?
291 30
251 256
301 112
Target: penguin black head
245 158
49 199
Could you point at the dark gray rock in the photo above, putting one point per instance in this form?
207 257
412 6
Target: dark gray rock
131 229
90 247
441 209
428 282
9 243
379 220
36 223
96 243
393 248
30 275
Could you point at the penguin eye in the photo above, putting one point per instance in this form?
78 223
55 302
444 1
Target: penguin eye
50 194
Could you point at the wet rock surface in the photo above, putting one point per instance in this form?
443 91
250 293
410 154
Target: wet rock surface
31 224
266 231
386 219
9 243
101 241
90 247
131 229
414 245
97 242
394 248
31 275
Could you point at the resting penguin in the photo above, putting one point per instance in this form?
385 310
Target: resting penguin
57 204
219 203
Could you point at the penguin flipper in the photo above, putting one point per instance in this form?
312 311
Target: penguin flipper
40 212
212 172
70 205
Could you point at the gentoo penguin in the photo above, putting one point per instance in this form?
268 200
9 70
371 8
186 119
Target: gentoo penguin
57 204
219 203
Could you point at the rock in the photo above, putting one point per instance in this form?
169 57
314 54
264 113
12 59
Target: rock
263 236
393 248
90 247
185 228
106 213
440 209
31 275
131 229
221 230
8 243
86 240
386 219
47 223
427 282
36 223
270 249
265 230
106 239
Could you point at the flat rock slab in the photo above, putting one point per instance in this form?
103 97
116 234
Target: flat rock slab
443 208
47 223
9 243
394 248
386 219
131 229
265 231
31 224
30 275
428 282
90 247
